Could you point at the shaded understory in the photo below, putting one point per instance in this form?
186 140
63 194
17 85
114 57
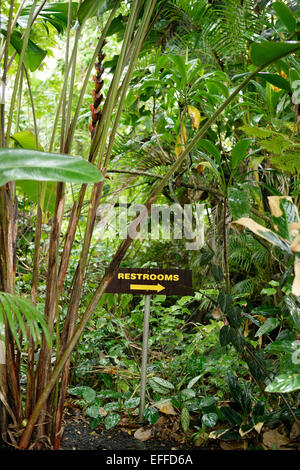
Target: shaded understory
79 436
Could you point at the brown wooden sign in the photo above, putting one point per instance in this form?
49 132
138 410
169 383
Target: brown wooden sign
152 281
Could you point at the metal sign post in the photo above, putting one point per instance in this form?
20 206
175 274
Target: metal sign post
148 282
144 356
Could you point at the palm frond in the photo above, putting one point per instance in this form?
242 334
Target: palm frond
244 287
246 253
21 317
224 29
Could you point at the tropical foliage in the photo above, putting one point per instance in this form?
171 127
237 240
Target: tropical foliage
191 102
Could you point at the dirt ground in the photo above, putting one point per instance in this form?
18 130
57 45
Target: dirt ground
78 436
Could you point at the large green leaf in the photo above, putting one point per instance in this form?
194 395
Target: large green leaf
151 415
276 80
280 347
209 420
160 385
241 393
269 325
293 309
211 149
266 52
23 164
273 78
32 191
112 420
239 152
89 395
180 68
34 55
285 14
88 8
55 13
284 383
232 416
225 302
239 203
26 140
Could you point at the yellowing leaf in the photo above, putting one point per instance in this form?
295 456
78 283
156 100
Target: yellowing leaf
200 168
195 117
178 147
274 203
207 164
246 330
166 407
261 318
294 227
295 246
253 226
258 427
181 139
183 133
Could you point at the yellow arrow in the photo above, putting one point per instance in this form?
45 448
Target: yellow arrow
157 287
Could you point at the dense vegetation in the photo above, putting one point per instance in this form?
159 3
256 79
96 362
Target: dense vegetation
185 102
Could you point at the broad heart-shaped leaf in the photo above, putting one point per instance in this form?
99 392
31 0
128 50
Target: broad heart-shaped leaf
264 53
93 411
89 395
88 8
151 415
23 164
286 15
112 420
284 383
209 420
